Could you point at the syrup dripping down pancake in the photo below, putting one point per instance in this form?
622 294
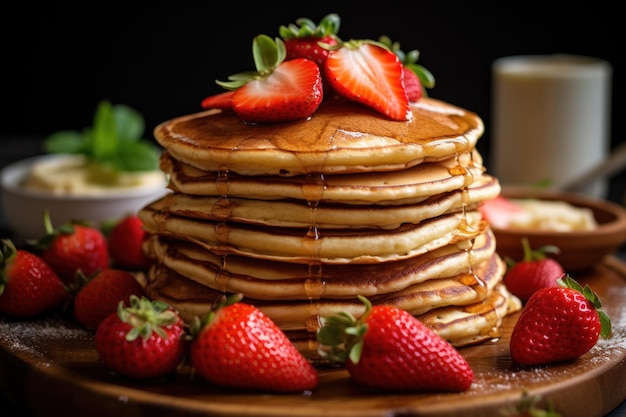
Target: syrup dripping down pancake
328 246
411 185
295 213
270 280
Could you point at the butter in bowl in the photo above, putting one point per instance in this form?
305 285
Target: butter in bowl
584 229
97 175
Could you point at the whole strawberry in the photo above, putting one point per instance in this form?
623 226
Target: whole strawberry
28 285
124 242
533 272
390 349
236 345
99 295
145 340
305 39
558 324
73 247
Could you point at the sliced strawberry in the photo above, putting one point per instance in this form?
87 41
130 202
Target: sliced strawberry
219 101
279 90
369 74
293 91
416 77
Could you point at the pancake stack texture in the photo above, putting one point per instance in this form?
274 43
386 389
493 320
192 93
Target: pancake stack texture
302 217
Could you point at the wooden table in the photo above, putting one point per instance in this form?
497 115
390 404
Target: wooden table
49 367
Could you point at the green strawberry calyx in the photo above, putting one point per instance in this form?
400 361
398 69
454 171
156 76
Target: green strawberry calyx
306 28
341 335
531 255
268 53
199 323
146 317
594 299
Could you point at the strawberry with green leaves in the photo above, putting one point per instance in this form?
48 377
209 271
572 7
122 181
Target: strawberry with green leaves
72 247
370 74
533 272
305 39
98 296
145 340
28 285
278 91
124 242
389 349
559 324
237 346
416 78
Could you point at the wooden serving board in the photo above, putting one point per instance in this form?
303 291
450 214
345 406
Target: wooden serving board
49 367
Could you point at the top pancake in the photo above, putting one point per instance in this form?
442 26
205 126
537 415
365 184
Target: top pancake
341 137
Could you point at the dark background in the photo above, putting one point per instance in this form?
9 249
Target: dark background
59 62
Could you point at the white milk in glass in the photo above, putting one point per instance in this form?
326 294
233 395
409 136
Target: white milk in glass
551 118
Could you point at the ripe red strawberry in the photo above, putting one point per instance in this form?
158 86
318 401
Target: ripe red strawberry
279 91
303 39
28 285
124 242
390 349
416 77
533 272
238 346
558 324
370 74
99 295
499 211
72 247
145 340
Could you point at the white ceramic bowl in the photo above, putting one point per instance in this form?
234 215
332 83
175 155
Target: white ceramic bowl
24 207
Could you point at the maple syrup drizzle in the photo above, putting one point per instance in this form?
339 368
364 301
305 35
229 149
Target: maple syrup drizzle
470 278
221 211
314 285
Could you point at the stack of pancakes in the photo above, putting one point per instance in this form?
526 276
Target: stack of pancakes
302 217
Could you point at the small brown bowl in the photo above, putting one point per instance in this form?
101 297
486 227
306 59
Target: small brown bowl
579 250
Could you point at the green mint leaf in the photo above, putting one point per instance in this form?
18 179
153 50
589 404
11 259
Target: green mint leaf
66 141
129 123
104 134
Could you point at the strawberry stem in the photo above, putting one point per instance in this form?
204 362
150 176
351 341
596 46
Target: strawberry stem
605 321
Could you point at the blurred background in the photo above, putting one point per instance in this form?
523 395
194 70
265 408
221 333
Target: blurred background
60 61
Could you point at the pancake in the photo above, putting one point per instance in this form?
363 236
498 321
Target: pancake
268 280
327 246
342 137
411 185
295 213
463 324
303 217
